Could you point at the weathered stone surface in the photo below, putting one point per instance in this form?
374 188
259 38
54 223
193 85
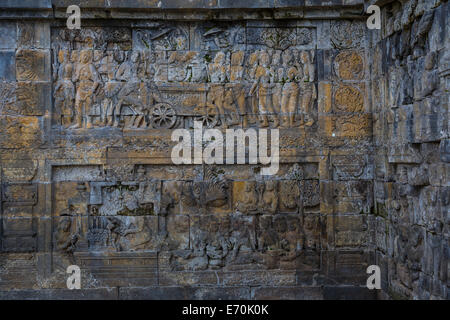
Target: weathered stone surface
87 177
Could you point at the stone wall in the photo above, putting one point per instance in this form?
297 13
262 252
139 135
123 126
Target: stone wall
85 151
410 77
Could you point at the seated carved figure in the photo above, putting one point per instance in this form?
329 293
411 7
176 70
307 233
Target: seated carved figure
249 199
270 197
64 238
216 251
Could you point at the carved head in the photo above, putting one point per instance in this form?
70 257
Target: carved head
264 59
219 58
276 58
119 56
237 58
225 225
86 56
304 57
63 56
265 222
280 224
134 57
250 186
430 60
65 224
270 185
74 56
292 73
180 42
67 71
309 223
253 59
287 57
213 225
292 223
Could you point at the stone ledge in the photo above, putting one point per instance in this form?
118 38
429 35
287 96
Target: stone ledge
196 293
61 294
205 4
348 293
26 4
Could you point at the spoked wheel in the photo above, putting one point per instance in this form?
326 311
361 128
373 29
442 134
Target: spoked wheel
162 115
210 118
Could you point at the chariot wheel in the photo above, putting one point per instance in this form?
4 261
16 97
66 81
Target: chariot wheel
210 118
162 115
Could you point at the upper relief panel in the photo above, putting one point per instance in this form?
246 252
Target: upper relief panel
165 75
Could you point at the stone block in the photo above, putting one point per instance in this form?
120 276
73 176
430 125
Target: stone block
287 293
7 66
32 65
8 35
20 132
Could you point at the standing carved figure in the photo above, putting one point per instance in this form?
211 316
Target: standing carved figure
277 77
264 87
289 99
217 72
309 93
65 93
87 80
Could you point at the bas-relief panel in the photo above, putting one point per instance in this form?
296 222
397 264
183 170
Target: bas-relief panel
270 222
148 81
170 75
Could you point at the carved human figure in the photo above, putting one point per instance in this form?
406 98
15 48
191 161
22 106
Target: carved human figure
87 80
65 239
237 66
63 59
129 92
198 257
65 93
238 89
292 237
230 108
217 71
242 235
430 78
249 200
216 251
310 233
268 237
117 230
128 69
289 99
252 67
280 227
290 194
277 77
215 100
112 88
309 93
270 197
264 88
139 234
287 58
